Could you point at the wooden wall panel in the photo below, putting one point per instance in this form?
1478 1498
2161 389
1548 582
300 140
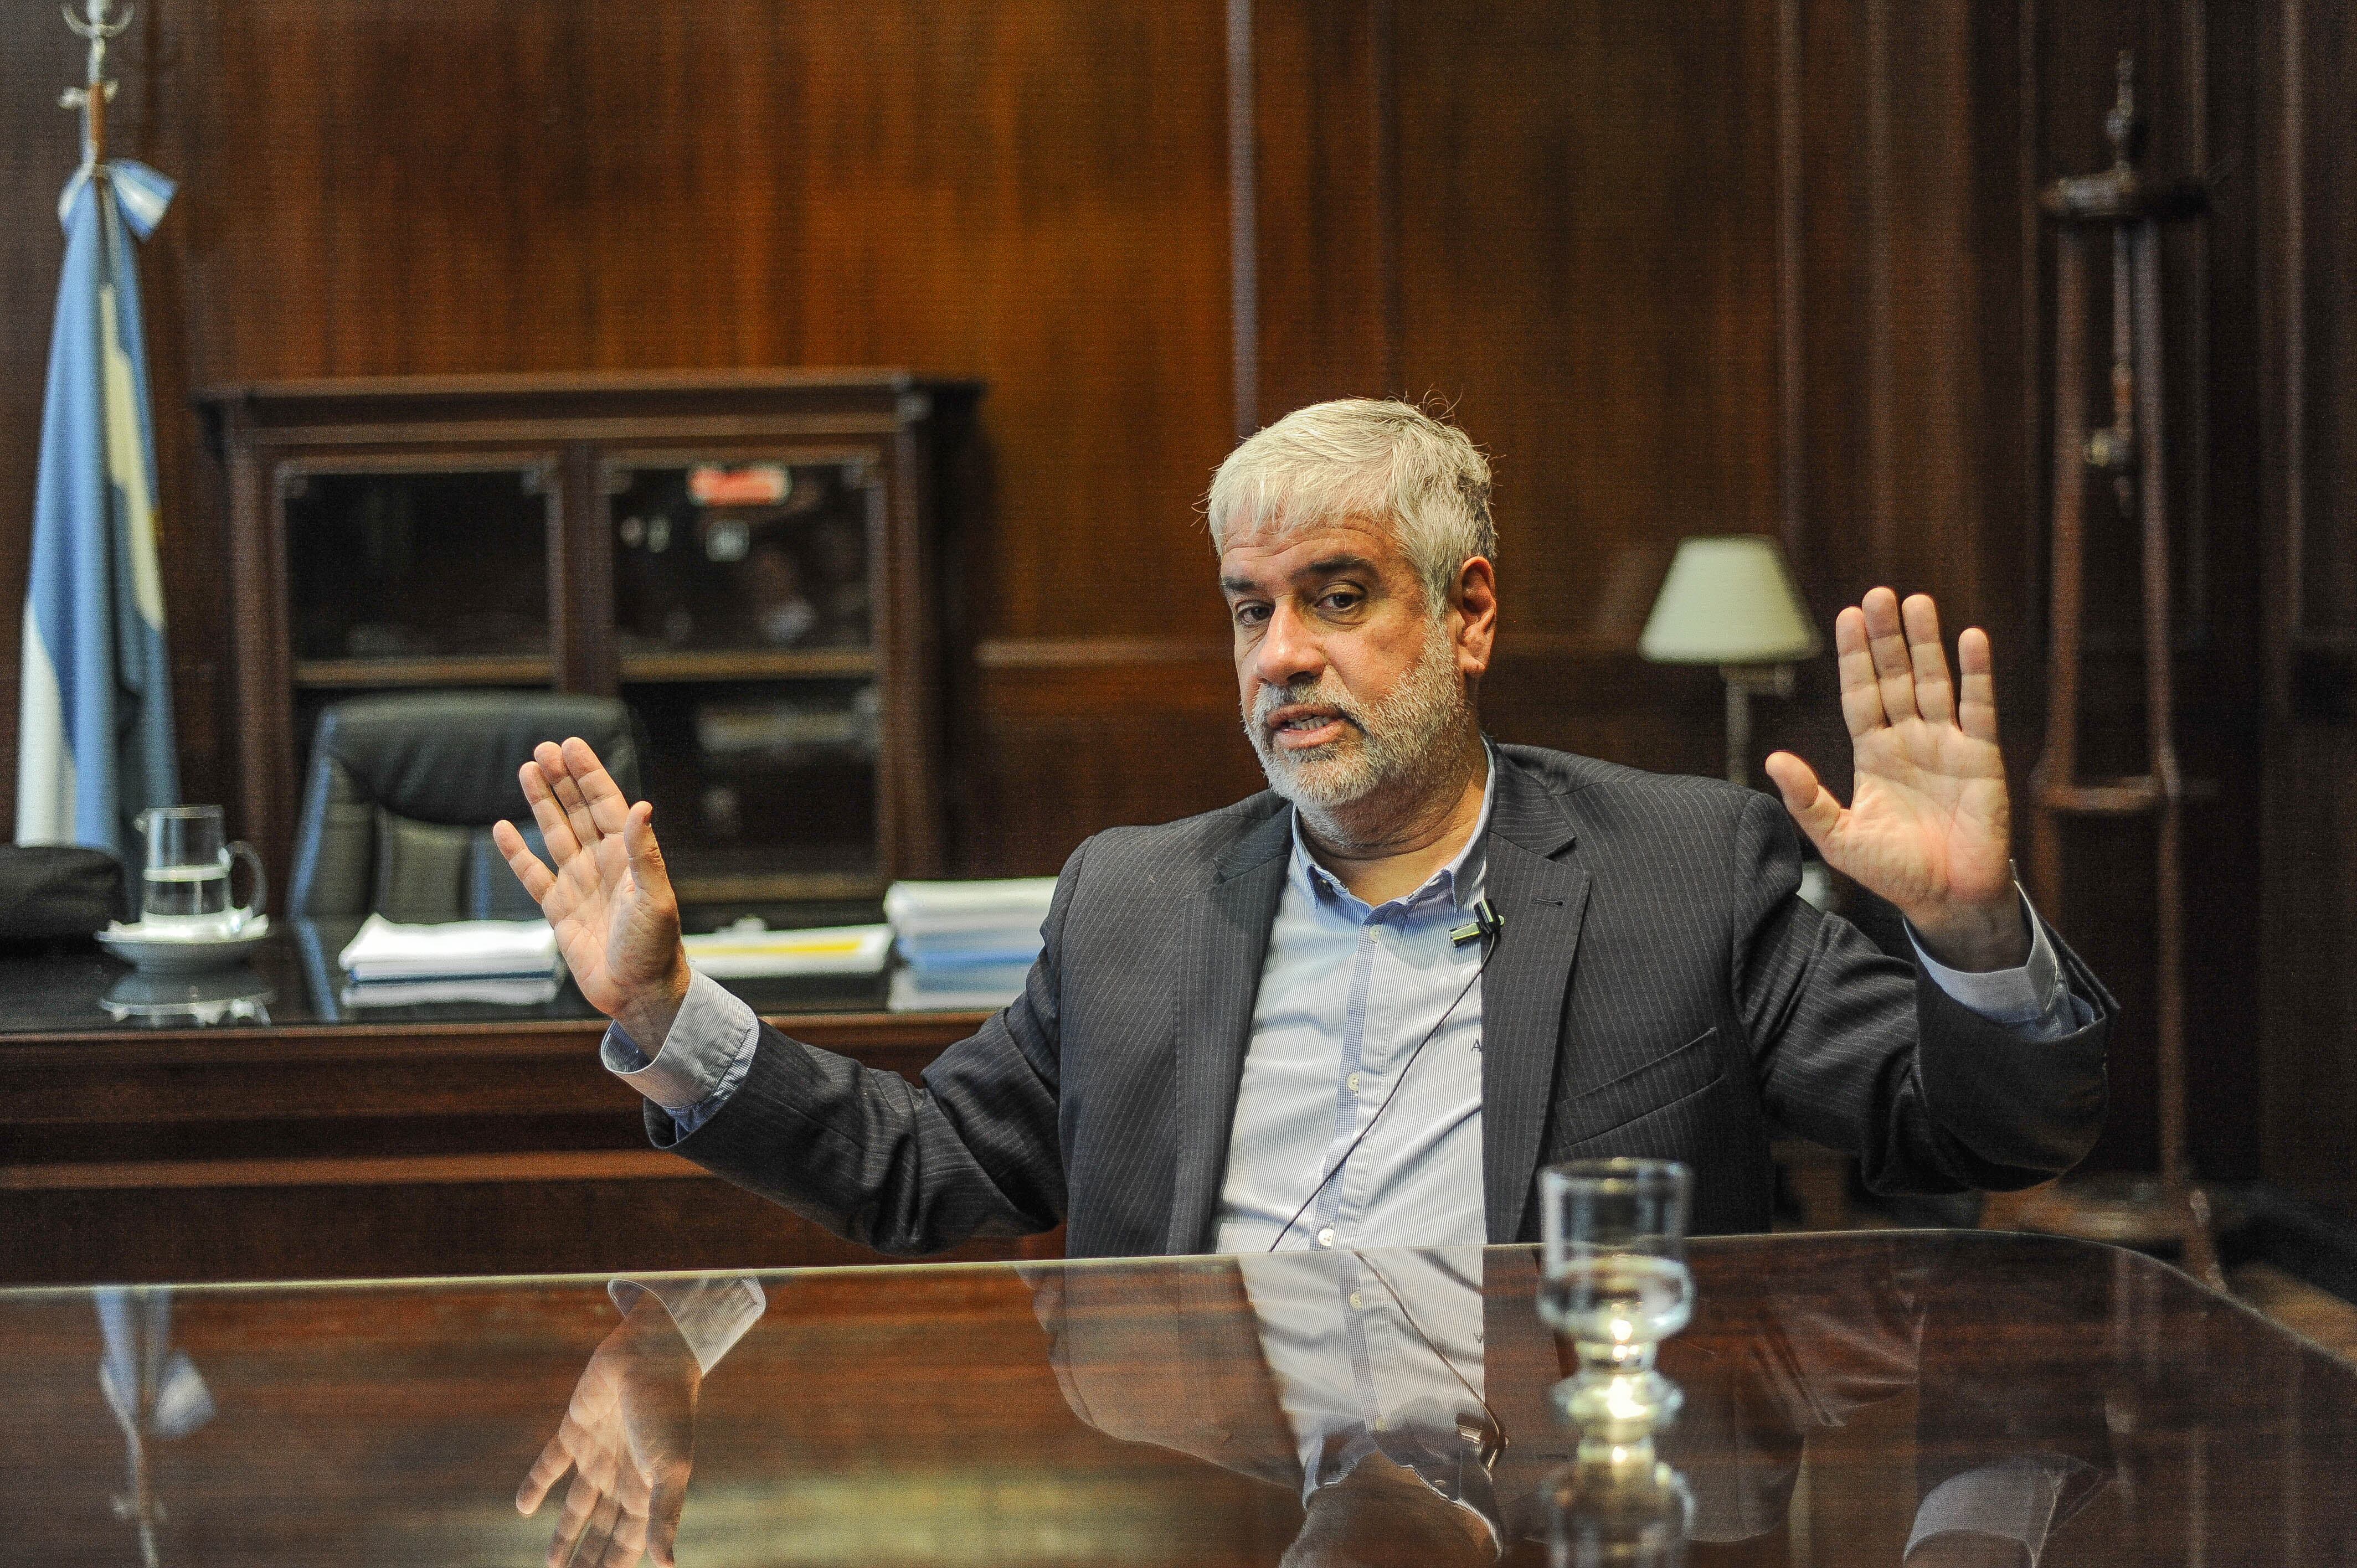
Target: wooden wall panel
1032 194
2308 370
1751 264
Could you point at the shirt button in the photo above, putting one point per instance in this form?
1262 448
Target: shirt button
1355 1302
1354 1083
1326 1237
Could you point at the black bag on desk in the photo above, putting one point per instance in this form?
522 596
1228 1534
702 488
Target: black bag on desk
50 890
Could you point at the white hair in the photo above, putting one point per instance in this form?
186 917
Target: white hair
1363 459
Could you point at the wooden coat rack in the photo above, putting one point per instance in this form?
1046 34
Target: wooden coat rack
2169 1208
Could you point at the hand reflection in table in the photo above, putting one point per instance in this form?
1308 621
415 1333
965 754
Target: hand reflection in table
629 1435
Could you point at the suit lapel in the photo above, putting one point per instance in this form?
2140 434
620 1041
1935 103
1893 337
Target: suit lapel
1224 943
1542 899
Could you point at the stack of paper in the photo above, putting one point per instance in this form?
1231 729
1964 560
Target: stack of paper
965 944
748 950
388 965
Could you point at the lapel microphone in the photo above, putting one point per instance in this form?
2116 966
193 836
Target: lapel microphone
1486 923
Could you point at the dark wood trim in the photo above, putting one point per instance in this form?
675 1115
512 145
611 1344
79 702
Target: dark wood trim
581 575
749 664
1791 294
81 1053
565 384
2292 334
431 1170
365 674
2034 493
1383 95
1881 435
1243 219
1079 652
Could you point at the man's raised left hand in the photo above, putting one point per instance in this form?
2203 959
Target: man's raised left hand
1929 826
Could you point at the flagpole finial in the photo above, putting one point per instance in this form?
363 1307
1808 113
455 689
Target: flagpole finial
95 25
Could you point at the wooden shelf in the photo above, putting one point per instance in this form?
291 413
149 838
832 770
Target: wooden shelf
785 886
358 673
749 664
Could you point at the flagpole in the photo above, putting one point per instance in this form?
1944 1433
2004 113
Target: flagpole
91 99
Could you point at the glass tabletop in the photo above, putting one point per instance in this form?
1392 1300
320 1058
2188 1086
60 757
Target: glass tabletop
1919 1398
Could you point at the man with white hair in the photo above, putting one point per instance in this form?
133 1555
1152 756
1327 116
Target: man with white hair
1363 1008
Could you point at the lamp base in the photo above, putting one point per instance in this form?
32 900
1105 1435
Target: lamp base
1743 681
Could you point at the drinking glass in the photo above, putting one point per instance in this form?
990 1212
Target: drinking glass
1616 1284
185 880
1617 1506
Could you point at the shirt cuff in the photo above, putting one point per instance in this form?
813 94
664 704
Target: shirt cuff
711 1314
713 1033
2032 994
2010 1501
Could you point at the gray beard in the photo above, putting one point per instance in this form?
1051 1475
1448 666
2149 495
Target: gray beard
1388 739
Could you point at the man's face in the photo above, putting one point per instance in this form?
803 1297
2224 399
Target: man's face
1348 681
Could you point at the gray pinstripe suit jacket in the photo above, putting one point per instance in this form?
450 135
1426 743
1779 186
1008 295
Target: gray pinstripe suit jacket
1657 990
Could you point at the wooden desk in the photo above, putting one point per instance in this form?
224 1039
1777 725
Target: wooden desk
1157 1411
322 1145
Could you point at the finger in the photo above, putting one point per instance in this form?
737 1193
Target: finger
629 1542
646 855
1934 697
1812 804
577 814
606 803
600 1533
664 1511
537 879
1887 639
581 1499
546 810
1977 707
545 1472
1861 697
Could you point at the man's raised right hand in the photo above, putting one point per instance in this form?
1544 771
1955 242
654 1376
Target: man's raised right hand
610 899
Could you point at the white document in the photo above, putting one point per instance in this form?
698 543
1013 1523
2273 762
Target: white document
757 955
454 950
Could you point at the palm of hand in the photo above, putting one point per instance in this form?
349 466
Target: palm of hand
609 900
1929 826
1928 820
613 934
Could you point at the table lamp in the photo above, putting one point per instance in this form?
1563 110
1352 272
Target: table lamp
1731 601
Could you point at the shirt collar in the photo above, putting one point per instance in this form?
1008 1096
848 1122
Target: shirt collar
1459 880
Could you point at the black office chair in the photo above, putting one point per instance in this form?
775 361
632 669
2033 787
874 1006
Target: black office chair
398 810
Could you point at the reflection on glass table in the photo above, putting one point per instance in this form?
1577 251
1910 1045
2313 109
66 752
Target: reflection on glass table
239 996
1949 1397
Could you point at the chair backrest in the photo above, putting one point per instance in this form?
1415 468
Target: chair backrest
403 789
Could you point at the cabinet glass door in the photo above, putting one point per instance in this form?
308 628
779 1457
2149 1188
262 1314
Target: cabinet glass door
744 628
416 575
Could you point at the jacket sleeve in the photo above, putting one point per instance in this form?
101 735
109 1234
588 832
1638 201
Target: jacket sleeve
1863 1052
906 1168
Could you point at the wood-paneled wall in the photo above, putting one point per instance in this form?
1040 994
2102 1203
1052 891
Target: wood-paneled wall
2307 281
1734 264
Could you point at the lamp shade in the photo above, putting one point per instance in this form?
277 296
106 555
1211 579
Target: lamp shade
1729 600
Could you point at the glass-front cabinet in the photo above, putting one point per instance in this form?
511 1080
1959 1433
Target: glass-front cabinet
749 562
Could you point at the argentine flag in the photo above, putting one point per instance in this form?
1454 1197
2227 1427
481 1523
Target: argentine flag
94 735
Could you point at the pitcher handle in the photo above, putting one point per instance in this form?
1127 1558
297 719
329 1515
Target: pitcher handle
244 851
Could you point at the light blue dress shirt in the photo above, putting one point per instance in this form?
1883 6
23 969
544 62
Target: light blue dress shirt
1358 1003
1347 992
